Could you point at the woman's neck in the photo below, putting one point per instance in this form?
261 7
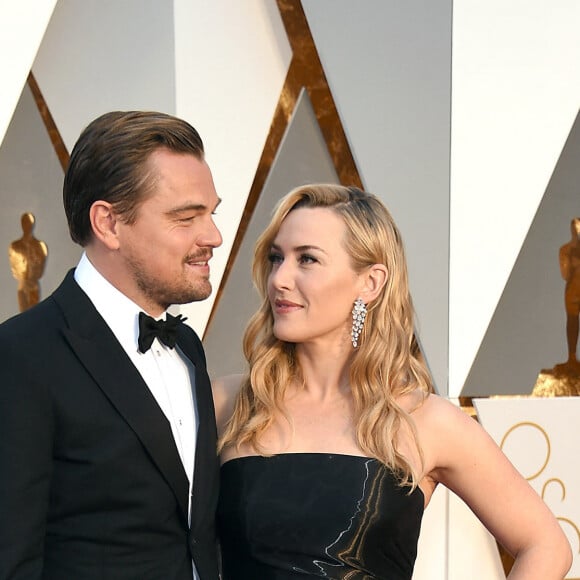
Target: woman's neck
325 371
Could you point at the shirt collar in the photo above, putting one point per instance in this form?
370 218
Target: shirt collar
119 312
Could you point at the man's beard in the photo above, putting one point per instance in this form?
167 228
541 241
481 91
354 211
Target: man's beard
180 291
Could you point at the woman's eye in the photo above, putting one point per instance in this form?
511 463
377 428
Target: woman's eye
307 259
274 258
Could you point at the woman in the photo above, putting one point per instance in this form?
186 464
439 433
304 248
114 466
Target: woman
333 444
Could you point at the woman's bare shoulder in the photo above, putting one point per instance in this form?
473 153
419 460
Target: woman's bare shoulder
442 423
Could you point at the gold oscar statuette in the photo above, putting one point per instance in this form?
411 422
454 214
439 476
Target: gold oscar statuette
564 379
27 260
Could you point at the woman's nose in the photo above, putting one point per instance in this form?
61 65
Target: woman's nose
281 275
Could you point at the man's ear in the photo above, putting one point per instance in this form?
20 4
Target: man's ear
104 222
374 280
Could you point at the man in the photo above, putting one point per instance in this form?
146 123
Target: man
108 466
570 270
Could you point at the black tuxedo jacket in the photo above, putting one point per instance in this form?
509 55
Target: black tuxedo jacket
91 483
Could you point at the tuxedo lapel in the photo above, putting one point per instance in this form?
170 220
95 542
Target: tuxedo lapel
206 444
105 360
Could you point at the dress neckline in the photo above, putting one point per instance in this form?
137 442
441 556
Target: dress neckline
319 454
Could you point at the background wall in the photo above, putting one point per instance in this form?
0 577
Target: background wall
458 115
101 56
528 329
515 95
22 26
31 181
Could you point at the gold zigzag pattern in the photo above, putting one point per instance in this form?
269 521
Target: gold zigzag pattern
53 132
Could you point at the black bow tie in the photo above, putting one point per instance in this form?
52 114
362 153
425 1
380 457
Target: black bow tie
164 330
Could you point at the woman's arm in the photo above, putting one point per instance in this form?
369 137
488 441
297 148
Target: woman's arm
467 461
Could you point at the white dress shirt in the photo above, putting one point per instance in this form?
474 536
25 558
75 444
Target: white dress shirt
168 373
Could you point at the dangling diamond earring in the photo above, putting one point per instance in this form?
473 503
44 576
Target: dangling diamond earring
359 312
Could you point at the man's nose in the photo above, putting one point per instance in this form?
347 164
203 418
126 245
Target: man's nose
212 236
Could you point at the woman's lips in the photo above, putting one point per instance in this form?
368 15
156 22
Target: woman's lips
283 306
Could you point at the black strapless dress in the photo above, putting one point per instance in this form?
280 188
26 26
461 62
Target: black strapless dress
316 515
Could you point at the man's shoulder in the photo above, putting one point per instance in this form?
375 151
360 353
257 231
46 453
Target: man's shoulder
32 321
40 318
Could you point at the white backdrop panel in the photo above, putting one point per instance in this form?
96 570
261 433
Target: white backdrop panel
22 25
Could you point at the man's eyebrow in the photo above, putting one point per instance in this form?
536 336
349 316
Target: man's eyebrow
191 207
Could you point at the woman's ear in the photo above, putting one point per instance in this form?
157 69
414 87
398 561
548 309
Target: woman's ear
104 224
374 280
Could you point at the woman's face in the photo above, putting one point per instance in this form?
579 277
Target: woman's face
312 285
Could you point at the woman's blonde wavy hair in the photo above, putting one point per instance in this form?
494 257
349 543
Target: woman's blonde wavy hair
386 365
